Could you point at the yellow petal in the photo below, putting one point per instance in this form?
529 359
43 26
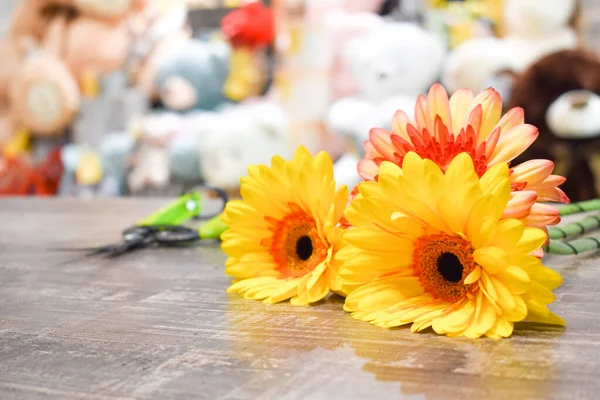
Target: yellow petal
532 239
391 169
482 221
382 294
491 259
492 175
473 276
502 328
507 235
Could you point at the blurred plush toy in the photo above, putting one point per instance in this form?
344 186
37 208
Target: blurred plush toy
32 17
156 33
532 29
560 94
391 67
166 152
192 77
20 176
249 29
81 52
349 20
345 170
183 146
150 158
250 133
115 152
44 95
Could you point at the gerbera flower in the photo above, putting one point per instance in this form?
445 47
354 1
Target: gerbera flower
432 249
444 127
284 233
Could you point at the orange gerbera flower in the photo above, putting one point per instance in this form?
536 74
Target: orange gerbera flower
445 127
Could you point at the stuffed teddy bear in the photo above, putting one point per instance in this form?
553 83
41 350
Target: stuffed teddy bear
193 76
248 133
560 95
532 29
391 66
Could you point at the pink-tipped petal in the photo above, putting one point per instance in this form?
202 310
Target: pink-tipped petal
532 172
520 204
553 194
513 143
475 117
460 103
542 215
380 139
550 182
538 253
367 169
370 151
514 117
492 142
422 114
491 104
399 123
437 104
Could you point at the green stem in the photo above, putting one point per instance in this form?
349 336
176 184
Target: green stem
576 208
574 228
574 247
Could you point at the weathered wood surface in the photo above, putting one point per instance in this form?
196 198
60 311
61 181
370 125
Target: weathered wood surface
158 324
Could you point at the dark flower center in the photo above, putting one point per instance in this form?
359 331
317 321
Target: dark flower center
450 267
304 248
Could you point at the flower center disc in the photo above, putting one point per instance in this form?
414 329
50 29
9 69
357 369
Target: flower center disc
442 262
296 246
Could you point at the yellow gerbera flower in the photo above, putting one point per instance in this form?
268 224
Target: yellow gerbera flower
432 249
444 127
284 233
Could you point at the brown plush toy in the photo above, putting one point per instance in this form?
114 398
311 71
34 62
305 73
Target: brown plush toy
560 94
44 96
31 17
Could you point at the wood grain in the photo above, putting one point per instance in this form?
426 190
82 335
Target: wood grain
159 325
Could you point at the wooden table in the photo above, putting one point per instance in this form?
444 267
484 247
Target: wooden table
159 324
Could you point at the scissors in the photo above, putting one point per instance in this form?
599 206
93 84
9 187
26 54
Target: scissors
163 227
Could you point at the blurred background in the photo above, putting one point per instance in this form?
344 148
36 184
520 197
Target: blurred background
153 97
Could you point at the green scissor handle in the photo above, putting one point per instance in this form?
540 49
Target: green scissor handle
176 212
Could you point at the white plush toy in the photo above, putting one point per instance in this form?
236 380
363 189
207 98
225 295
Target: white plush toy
533 29
246 134
391 66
